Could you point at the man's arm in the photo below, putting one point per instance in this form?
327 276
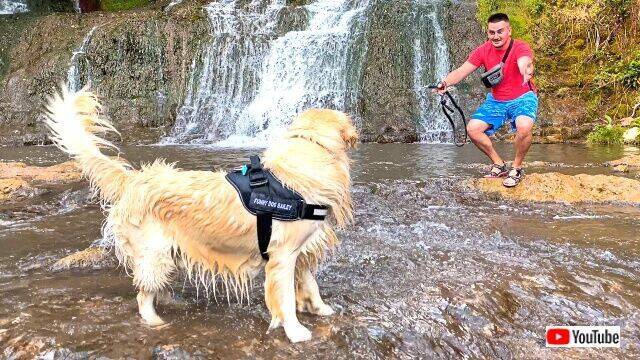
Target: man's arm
457 75
525 65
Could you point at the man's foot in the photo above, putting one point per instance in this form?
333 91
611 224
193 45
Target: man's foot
497 171
513 178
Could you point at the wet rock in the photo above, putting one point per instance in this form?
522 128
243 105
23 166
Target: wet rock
66 172
94 257
23 348
64 354
14 189
172 352
19 181
623 168
463 34
565 188
388 103
629 160
71 200
139 61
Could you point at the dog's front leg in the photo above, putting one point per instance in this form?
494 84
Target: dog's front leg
280 295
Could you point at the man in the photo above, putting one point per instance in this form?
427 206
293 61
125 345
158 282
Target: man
512 99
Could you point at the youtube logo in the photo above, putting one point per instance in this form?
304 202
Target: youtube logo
583 336
558 336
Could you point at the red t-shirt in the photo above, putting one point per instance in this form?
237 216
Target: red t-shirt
511 85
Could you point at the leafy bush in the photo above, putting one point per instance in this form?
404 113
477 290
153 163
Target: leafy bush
626 73
606 133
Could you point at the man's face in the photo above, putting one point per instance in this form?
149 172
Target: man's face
499 33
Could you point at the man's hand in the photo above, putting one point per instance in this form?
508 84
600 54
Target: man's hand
528 74
442 88
525 65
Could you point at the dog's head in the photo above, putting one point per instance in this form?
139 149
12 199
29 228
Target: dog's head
330 128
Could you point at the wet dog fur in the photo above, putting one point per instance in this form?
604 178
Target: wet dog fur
161 219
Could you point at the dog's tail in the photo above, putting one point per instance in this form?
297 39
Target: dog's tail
75 121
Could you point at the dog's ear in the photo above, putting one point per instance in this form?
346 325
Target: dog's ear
349 133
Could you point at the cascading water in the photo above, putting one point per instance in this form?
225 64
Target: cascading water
317 67
228 78
12 7
431 64
253 83
74 73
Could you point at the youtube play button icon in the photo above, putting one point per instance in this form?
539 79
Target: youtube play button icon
558 336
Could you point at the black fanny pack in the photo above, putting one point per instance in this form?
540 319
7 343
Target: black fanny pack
493 76
264 196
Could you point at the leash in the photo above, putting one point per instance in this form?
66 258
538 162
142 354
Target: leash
447 110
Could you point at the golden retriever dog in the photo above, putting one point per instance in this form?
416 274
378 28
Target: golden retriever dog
161 220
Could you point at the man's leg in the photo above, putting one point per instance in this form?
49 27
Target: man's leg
524 124
476 131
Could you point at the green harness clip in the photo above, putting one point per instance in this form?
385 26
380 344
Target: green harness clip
244 169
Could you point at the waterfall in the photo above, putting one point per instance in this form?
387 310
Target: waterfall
431 64
74 72
230 70
253 82
12 7
309 68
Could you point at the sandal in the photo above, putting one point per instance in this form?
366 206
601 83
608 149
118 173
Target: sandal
513 178
497 171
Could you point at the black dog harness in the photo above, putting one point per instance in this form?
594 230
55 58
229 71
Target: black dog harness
264 196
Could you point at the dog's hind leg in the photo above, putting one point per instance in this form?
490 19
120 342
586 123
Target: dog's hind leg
307 292
152 268
280 294
147 310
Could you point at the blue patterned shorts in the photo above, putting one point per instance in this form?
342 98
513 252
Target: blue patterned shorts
497 113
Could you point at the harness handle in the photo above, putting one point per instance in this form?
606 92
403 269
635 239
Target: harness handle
257 177
447 110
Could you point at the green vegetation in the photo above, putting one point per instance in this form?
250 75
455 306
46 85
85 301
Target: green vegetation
119 5
608 133
587 54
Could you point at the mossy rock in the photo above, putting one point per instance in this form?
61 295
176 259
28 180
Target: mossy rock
120 5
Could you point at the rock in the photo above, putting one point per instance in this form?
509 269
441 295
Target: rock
22 348
632 161
19 181
565 188
387 101
631 135
621 168
626 121
94 257
66 172
64 354
124 57
172 352
10 187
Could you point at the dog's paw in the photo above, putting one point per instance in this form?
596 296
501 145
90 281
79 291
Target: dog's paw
153 321
275 323
324 310
297 333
